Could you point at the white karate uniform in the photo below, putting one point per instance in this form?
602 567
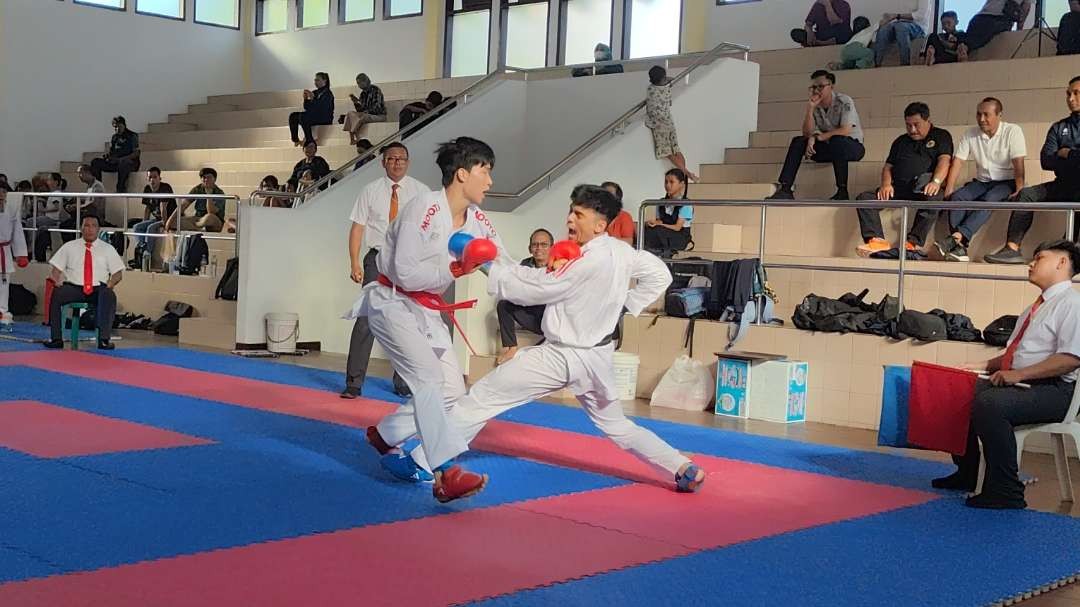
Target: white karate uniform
416 257
12 245
584 302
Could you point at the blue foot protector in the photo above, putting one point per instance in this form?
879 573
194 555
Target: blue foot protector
690 480
403 467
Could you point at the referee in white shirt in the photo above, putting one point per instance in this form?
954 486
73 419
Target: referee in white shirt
379 203
1044 352
85 270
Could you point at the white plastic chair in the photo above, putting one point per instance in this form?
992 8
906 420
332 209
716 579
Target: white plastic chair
1070 426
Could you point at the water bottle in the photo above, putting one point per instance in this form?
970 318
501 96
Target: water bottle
146 260
213 267
203 266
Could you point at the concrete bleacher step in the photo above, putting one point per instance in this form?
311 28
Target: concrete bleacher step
259 137
208 333
401 89
236 119
815 173
195 158
202 108
170 127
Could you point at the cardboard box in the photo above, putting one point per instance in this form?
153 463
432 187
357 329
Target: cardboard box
761 386
717 238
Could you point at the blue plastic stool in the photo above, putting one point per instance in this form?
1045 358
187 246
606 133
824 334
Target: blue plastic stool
68 312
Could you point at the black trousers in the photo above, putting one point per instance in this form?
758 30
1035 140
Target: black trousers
527 317
659 238
994 415
1069 34
303 120
841 33
983 28
870 219
102 297
1051 191
941 53
122 168
362 339
838 150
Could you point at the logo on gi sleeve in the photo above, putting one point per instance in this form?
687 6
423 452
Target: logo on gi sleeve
431 212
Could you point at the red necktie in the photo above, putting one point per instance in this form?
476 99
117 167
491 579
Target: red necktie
88 271
393 201
1007 358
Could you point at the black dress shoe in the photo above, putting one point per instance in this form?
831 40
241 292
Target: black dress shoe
105 345
54 344
350 393
955 482
993 502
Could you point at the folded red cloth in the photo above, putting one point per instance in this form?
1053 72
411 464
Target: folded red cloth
939 407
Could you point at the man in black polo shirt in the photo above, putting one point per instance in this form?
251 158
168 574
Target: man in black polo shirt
917 165
123 155
527 317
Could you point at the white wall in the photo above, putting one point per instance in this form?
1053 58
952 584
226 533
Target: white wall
66 69
386 50
321 291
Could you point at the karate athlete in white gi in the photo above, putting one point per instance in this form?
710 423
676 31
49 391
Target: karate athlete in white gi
416 259
585 299
12 252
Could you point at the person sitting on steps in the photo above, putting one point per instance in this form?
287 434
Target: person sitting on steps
669 232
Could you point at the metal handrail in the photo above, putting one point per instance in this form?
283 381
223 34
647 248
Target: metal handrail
904 205
499 74
619 123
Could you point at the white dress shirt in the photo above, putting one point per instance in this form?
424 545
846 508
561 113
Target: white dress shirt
71 258
993 155
372 208
1055 328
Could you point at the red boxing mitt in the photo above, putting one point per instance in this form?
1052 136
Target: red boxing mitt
477 252
564 250
22 262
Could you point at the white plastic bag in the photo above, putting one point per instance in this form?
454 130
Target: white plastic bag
687 385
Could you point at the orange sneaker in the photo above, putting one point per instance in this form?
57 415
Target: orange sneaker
874 245
456 482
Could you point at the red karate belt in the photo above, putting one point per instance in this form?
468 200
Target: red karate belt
434 301
3 257
939 407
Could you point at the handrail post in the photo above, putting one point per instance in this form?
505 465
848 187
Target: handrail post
641 226
903 257
761 259
1070 225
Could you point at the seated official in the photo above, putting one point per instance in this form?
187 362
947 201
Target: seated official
1043 352
916 168
527 317
999 150
669 233
623 226
85 270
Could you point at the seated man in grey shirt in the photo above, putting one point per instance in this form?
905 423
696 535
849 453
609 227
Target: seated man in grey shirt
831 132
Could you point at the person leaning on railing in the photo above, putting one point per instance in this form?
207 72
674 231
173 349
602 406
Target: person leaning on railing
209 214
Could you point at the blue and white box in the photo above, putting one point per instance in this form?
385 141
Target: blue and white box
759 386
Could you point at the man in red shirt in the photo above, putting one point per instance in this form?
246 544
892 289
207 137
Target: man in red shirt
623 226
827 23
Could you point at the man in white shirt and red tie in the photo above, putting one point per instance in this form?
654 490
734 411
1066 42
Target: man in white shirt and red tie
1044 353
85 270
378 204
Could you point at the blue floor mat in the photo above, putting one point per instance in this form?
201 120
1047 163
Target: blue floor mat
37 332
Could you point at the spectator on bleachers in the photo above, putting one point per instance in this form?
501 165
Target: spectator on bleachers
916 19
512 315
623 226
209 214
949 45
68 272
123 155
378 204
155 212
601 53
827 23
996 17
4 182
316 165
362 146
318 109
831 132
270 184
669 232
999 150
368 107
916 168
51 216
1068 34
659 120
858 53
26 188
413 111
1044 352
85 206
1060 154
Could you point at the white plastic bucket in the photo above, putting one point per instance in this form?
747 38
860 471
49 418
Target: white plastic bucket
282 329
626 370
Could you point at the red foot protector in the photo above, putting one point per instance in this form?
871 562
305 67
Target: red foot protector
45 430
430 561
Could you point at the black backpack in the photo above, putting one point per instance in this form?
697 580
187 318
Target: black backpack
958 326
228 286
997 333
21 301
921 326
197 249
169 323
